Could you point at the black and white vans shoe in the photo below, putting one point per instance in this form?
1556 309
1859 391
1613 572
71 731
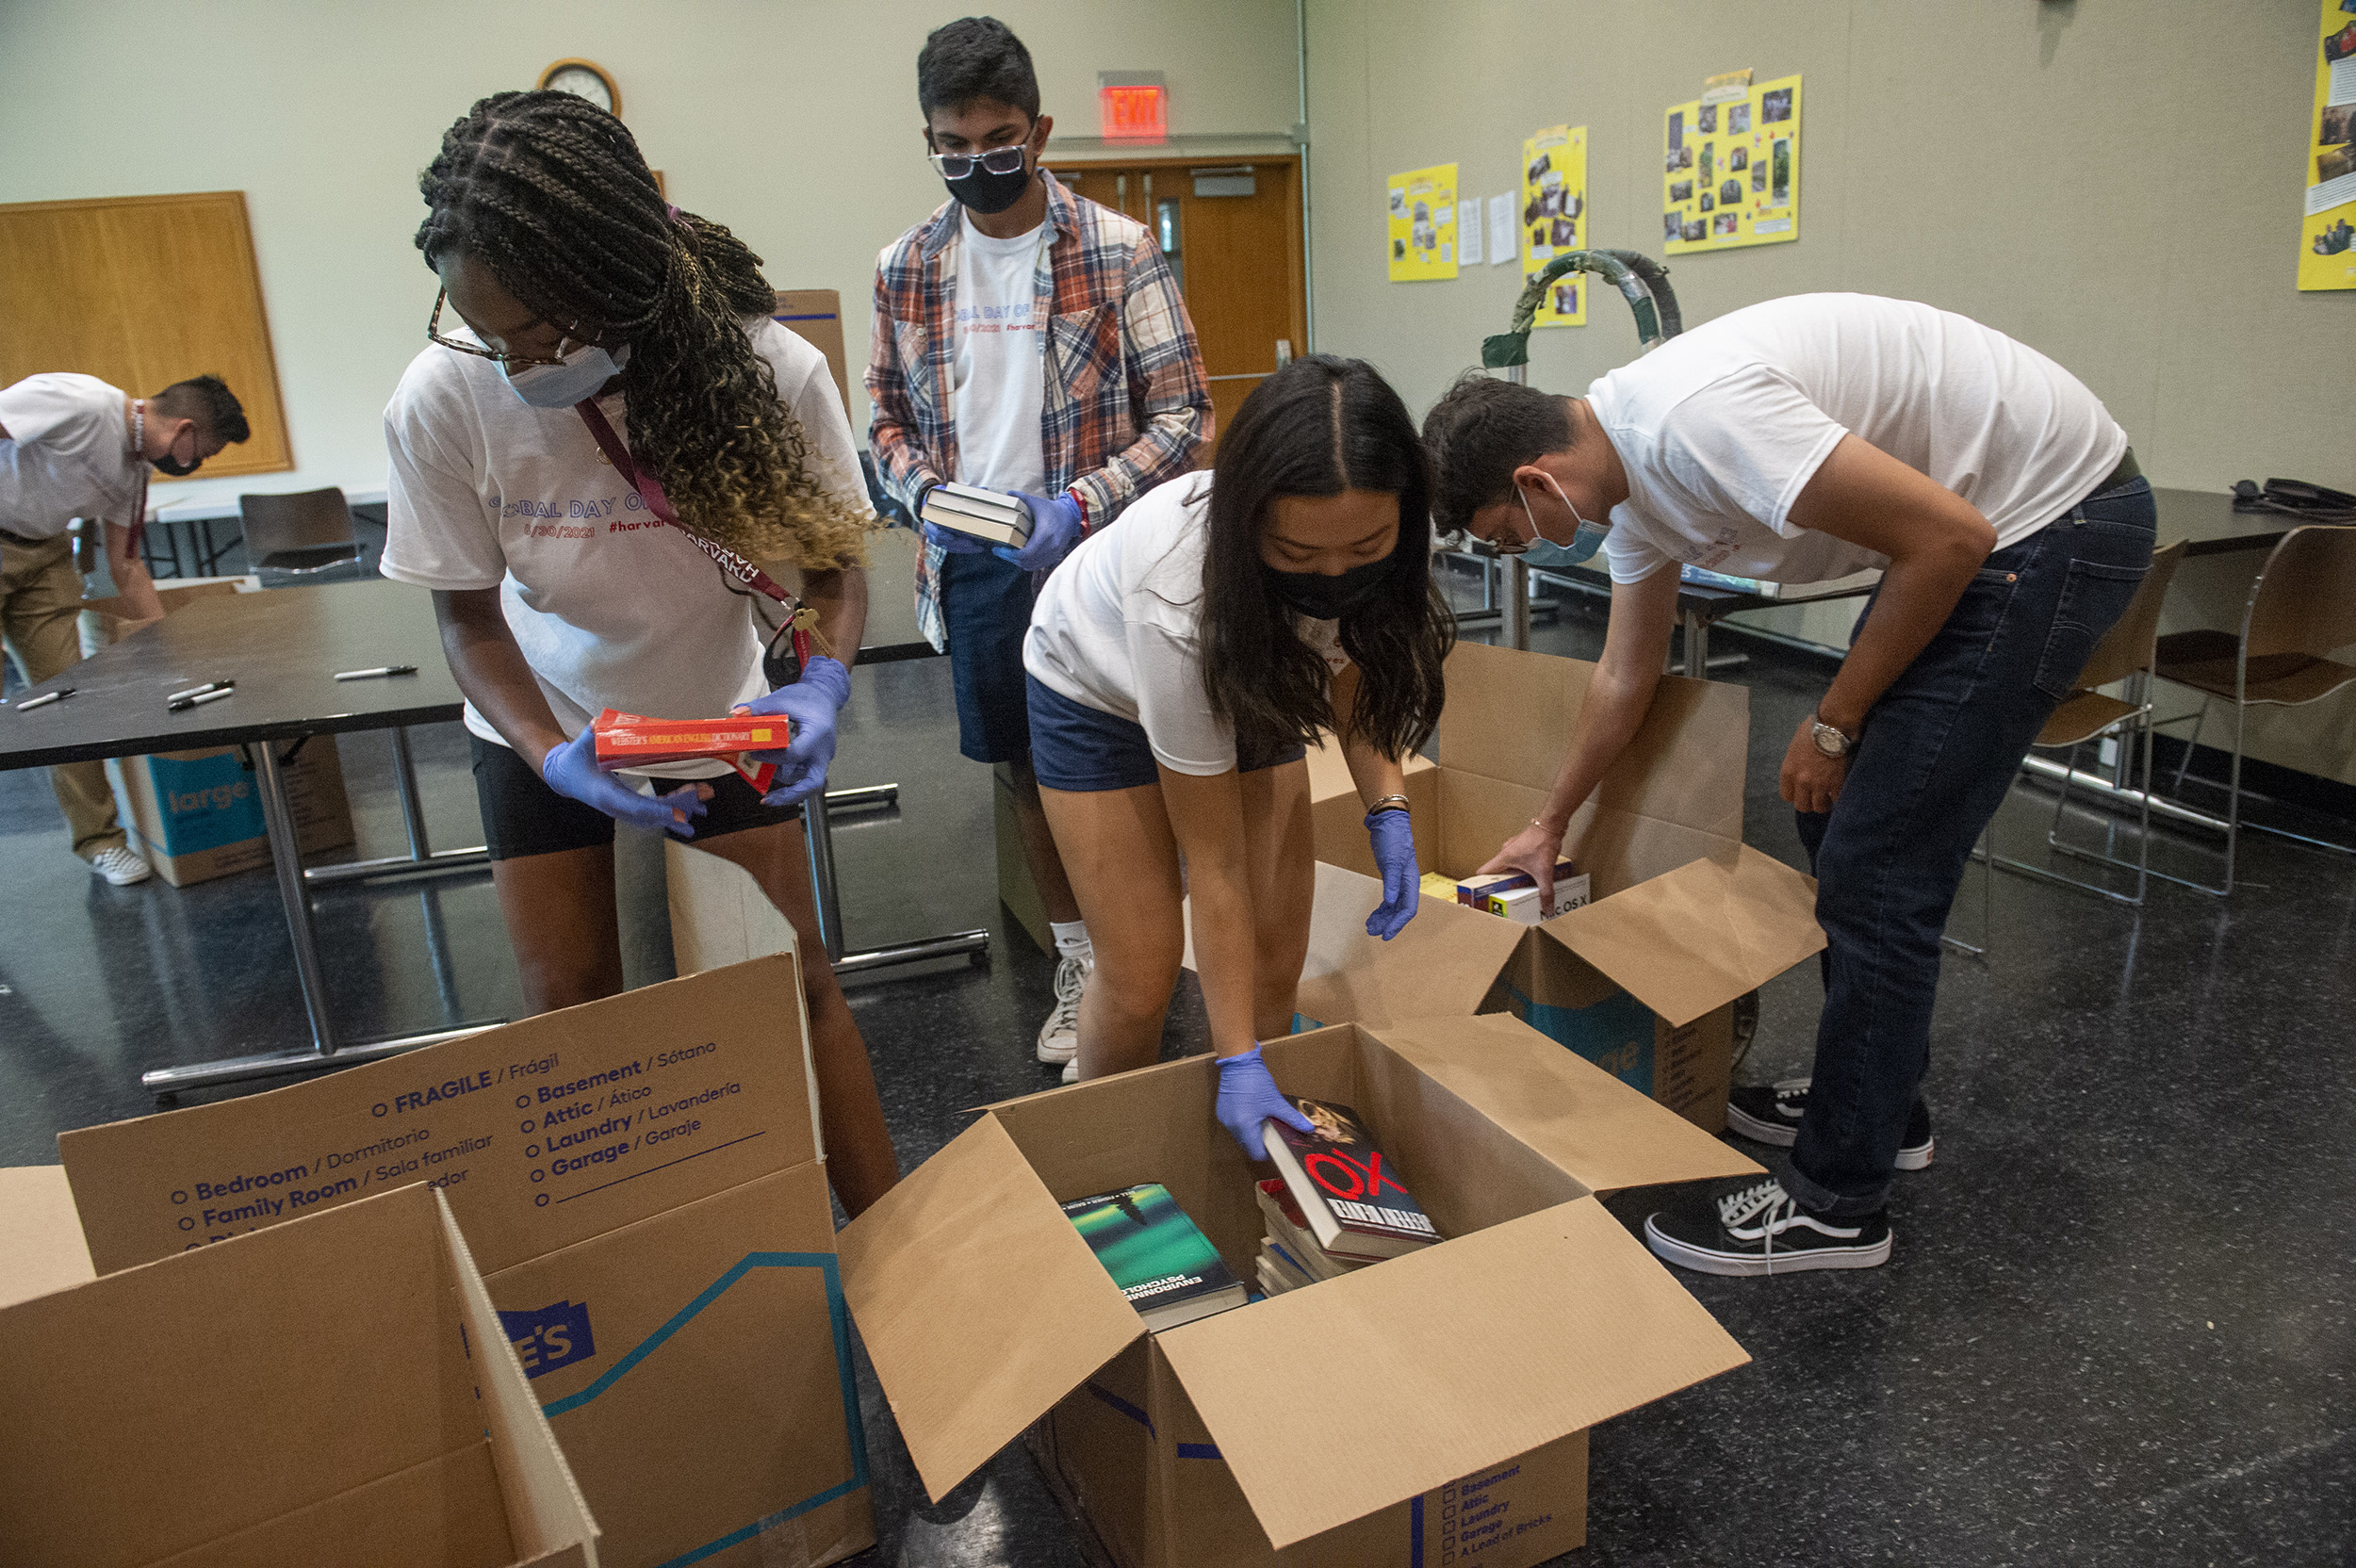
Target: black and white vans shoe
1771 1114
1761 1229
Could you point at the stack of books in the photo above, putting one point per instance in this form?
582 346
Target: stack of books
1336 1204
1167 1267
634 741
990 516
1515 894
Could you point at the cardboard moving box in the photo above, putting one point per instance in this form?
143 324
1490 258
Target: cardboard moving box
1343 1424
1686 917
333 1394
41 1248
642 1181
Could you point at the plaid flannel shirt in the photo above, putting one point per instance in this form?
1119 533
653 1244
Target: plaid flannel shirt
1125 405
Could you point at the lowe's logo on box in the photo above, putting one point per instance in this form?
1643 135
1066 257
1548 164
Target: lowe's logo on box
551 1337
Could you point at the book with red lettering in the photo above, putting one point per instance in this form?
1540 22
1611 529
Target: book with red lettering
1356 1205
1288 1229
634 741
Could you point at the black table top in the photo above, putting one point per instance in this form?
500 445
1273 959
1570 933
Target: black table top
282 648
2206 520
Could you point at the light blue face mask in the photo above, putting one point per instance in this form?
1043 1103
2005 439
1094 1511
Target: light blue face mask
1543 552
583 371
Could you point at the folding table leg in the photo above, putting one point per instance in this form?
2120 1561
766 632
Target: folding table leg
285 853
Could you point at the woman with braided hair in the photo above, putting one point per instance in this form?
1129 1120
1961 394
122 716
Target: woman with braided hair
586 465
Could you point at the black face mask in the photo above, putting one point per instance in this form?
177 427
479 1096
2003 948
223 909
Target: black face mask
172 465
1324 598
985 193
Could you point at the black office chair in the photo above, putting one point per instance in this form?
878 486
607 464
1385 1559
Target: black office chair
299 535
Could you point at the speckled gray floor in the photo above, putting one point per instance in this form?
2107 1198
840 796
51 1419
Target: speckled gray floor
2117 1328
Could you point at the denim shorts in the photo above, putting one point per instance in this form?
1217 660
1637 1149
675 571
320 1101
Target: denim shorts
1081 749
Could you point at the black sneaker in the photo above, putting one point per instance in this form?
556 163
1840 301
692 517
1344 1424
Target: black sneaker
1761 1229
1771 1114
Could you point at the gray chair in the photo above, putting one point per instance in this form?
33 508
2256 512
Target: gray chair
300 535
2300 609
2126 653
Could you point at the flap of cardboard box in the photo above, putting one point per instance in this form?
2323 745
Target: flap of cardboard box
1442 961
947 1276
1695 938
1509 713
1333 1402
1579 1117
544 1133
41 1248
279 1382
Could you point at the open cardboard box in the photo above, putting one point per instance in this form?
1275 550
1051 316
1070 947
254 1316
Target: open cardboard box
1686 917
333 1394
641 1180
1343 1426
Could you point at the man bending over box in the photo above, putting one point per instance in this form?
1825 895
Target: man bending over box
1798 441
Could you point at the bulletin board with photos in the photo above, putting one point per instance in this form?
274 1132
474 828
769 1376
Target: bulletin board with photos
1423 223
1554 218
2327 235
1732 172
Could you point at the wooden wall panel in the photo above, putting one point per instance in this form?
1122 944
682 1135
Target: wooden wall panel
142 291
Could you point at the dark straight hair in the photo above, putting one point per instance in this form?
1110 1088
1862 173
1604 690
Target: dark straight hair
1320 425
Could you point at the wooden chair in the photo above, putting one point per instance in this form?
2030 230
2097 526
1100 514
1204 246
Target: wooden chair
2126 653
2301 608
299 535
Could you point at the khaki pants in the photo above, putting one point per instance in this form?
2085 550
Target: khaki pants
41 606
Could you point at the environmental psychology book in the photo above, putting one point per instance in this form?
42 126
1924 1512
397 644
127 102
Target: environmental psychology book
1356 1204
1167 1267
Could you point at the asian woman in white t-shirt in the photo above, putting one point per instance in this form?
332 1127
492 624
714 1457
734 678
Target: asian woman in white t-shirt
1176 664
582 474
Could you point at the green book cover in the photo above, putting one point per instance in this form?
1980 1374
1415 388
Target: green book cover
1148 1244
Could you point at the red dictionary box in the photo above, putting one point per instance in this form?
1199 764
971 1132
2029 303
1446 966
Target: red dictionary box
634 741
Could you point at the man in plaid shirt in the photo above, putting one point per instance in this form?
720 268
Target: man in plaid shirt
1032 342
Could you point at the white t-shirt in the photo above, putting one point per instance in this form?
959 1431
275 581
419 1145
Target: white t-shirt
613 606
1719 427
999 378
68 455
1116 628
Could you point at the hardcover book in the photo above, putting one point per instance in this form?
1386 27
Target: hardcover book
634 741
978 513
1356 1205
1168 1269
1288 1228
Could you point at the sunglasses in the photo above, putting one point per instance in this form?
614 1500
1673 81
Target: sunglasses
998 160
513 362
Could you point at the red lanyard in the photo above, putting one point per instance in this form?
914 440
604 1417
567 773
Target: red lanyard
651 491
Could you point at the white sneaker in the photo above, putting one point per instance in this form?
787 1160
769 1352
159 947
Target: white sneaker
1060 1036
122 866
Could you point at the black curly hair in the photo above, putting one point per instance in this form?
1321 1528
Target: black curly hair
552 194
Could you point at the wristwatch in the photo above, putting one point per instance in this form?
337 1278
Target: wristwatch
1831 741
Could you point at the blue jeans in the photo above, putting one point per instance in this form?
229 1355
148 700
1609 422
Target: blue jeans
1934 759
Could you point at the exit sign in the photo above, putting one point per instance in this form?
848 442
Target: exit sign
1134 111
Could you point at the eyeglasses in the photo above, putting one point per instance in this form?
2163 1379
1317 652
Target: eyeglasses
998 160
513 362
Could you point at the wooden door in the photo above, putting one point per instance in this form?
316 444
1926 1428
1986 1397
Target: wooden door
142 291
1231 233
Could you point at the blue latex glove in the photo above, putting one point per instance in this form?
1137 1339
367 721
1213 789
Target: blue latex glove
1394 838
1055 530
1247 1097
811 703
571 770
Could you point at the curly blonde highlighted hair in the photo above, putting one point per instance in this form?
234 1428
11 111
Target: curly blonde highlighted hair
552 194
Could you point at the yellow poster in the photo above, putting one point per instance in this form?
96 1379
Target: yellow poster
2327 239
1733 167
1554 218
1423 224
